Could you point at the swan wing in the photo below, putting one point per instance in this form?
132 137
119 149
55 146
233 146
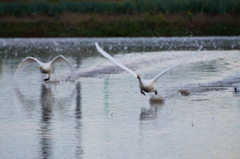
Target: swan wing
63 60
27 61
115 61
164 71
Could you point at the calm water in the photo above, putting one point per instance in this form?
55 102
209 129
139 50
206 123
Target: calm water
103 115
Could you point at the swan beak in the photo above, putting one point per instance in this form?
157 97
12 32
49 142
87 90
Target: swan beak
41 67
138 76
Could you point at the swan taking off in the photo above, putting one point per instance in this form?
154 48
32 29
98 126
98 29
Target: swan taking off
45 68
145 85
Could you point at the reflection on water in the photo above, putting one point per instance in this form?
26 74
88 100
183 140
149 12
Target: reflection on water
25 102
46 100
78 116
1 69
153 111
75 120
78 101
106 95
78 60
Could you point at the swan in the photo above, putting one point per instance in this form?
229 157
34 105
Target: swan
144 84
45 68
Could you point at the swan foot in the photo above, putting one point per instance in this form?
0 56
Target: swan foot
156 92
46 79
235 89
142 92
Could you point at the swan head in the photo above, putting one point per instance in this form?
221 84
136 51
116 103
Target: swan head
139 76
42 69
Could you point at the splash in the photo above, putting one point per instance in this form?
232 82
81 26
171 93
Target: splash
54 80
155 98
59 78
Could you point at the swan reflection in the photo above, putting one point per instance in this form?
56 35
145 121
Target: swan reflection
153 111
48 100
78 116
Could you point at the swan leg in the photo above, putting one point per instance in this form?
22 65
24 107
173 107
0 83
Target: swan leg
46 79
235 89
156 92
142 92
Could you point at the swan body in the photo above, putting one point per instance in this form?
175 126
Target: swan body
147 86
45 68
144 84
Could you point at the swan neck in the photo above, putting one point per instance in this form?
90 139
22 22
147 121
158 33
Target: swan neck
140 81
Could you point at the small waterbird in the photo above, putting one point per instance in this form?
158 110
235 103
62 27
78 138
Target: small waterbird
145 85
236 87
45 68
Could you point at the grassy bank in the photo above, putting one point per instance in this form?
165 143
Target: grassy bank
56 7
125 25
120 18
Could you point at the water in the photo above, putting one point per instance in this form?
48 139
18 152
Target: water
103 114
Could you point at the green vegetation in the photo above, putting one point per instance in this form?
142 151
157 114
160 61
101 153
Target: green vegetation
19 8
125 28
127 18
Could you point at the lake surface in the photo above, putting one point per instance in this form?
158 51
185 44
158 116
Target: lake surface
103 114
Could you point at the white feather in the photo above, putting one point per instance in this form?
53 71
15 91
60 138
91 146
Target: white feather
145 85
115 61
166 70
63 60
26 62
46 66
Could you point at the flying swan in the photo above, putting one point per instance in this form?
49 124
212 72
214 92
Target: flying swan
145 85
45 68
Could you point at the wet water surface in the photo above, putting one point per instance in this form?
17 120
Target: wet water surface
103 114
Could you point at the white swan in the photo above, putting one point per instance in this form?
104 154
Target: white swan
145 85
45 68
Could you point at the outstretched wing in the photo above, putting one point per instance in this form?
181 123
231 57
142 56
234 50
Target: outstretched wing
164 71
115 61
27 61
63 60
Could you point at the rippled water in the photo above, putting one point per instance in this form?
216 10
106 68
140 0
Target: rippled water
103 114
